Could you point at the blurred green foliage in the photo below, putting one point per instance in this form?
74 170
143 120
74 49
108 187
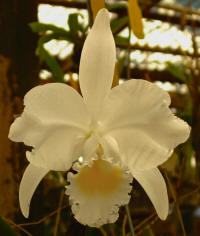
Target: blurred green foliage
5 229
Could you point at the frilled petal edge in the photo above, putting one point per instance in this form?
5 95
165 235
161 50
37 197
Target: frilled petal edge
137 115
57 103
48 108
95 189
133 102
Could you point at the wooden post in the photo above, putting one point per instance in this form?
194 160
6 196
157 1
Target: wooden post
18 73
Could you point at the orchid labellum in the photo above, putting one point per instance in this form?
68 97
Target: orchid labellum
120 134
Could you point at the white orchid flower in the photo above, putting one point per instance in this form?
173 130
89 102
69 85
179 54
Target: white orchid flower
120 133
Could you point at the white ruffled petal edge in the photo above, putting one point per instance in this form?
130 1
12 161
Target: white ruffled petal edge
57 103
30 180
98 210
136 114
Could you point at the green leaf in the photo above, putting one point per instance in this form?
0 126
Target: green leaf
45 38
58 32
115 6
121 63
119 40
5 229
74 23
52 64
41 27
116 25
49 59
176 71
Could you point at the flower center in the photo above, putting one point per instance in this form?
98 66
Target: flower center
102 178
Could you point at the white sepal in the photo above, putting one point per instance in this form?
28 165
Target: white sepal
30 180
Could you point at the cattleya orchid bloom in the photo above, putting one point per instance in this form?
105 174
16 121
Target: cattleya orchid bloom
120 134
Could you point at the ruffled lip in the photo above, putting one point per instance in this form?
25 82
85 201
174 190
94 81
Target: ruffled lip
100 205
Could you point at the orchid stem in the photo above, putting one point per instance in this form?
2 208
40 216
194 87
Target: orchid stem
130 220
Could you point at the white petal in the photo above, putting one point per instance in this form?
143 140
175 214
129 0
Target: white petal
137 115
111 149
58 150
154 185
57 103
138 151
29 129
30 180
89 149
131 103
97 62
105 147
48 107
54 122
97 209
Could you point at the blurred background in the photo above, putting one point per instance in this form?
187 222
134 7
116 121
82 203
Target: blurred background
41 42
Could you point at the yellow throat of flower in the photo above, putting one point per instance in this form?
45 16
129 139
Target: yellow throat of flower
102 178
